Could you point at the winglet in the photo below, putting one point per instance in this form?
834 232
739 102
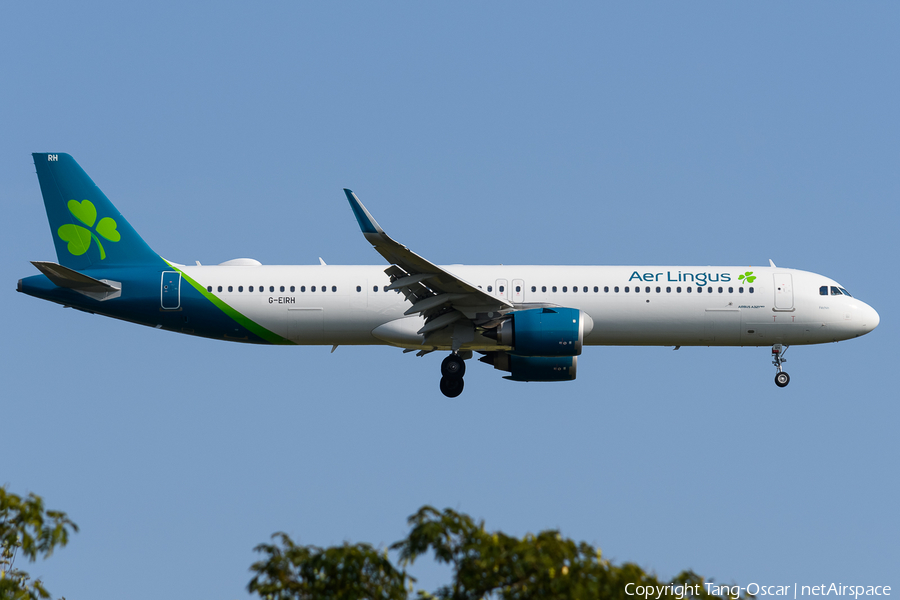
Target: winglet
772 264
366 222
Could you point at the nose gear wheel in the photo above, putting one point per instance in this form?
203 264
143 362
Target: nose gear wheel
781 377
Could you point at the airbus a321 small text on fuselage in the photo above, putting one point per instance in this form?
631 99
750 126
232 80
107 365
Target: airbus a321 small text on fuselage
529 321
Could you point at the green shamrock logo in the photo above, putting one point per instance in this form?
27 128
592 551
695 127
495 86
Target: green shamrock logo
747 277
79 238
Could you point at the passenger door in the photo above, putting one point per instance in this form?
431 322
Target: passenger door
170 290
784 292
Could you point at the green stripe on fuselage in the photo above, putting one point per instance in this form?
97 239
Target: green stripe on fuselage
242 320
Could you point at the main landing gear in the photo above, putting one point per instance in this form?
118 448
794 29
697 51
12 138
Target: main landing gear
452 370
781 377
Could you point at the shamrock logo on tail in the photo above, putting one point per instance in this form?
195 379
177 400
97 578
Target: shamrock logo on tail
747 277
79 237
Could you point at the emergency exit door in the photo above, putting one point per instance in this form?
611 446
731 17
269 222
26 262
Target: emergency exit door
518 291
502 289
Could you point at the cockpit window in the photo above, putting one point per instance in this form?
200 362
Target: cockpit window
835 291
846 293
823 291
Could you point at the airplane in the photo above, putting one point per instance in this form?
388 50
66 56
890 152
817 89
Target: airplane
529 321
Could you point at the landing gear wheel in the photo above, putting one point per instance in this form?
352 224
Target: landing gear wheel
453 366
782 379
452 386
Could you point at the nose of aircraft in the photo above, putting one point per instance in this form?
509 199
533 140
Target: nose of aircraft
869 319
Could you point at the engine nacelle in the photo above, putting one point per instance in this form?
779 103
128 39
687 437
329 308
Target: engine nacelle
534 368
544 332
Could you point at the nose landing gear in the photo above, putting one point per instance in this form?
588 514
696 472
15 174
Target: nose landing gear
781 377
452 370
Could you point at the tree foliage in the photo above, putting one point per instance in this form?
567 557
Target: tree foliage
27 529
307 572
485 564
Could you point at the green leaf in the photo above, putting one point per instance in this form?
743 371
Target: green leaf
107 228
84 211
78 237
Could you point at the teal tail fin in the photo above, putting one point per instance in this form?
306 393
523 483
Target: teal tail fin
87 229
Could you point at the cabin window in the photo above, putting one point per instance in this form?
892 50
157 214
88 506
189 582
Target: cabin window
574 289
565 289
740 290
250 289
534 288
750 290
720 290
518 288
385 288
596 289
501 289
678 289
292 288
689 289
302 288
668 289
334 288
220 288
731 290
554 289
240 288
490 288
606 288
281 288
617 289
209 288
658 289
374 288
699 290
543 288
627 289
312 288
230 289
359 288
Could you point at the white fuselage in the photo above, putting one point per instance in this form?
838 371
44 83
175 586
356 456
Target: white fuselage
658 306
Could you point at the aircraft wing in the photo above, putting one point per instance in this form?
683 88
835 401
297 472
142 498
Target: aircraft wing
442 297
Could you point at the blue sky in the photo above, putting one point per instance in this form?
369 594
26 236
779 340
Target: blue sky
704 133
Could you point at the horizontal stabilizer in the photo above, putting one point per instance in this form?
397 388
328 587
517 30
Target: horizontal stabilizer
69 278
